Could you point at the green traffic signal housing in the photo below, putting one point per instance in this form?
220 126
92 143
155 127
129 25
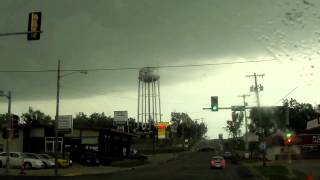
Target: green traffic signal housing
214 103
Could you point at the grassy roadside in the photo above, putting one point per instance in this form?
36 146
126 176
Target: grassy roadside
276 172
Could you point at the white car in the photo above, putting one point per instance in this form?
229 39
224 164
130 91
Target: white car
18 159
47 162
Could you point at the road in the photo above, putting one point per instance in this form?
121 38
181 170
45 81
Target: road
191 165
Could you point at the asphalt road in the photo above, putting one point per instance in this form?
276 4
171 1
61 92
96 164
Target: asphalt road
192 165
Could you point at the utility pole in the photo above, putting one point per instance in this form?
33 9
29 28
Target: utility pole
245 104
9 131
56 122
257 88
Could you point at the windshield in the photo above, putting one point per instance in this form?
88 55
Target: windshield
44 156
29 156
107 85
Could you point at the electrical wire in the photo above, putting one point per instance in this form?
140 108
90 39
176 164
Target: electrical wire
134 68
286 95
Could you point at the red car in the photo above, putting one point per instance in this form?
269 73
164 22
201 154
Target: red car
217 162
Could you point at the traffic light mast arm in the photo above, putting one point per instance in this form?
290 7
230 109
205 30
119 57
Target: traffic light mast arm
218 108
18 33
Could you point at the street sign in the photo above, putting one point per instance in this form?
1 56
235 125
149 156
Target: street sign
238 108
121 117
65 124
162 126
313 123
161 133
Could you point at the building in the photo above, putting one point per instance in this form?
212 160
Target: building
41 139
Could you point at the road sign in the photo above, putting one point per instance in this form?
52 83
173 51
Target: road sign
121 117
162 126
65 124
238 108
161 133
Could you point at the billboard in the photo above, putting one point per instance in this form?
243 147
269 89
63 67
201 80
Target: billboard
65 124
121 117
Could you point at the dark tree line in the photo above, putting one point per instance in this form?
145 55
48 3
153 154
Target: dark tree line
272 119
184 127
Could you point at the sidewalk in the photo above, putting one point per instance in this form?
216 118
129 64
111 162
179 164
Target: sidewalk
78 170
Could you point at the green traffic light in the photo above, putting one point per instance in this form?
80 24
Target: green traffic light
289 134
214 108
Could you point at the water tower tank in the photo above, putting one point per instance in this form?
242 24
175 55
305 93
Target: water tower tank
148 74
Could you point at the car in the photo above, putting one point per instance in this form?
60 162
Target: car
217 162
47 162
18 160
61 162
89 159
227 155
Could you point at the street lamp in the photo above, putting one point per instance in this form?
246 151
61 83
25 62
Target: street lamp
8 96
59 76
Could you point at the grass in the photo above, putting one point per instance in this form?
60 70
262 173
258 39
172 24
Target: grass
277 172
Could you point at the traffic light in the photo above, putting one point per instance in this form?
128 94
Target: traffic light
289 138
214 103
34 26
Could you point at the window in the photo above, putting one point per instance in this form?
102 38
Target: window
50 144
14 155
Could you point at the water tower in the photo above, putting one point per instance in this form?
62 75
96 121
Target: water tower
149 106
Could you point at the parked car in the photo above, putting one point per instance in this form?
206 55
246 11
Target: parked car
61 162
217 162
47 162
18 159
89 159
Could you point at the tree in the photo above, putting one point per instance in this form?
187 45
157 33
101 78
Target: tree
267 120
300 114
186 127
234 125
81 120
95 120
36 117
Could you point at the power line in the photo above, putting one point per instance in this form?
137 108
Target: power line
135 68
286 95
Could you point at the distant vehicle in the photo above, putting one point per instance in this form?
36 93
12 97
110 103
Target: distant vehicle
61 162
89 159
17 159
217 162
227 155
47 162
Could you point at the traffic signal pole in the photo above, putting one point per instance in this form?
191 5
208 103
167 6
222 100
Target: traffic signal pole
18 33
245 120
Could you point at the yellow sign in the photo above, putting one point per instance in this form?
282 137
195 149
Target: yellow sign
161 133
